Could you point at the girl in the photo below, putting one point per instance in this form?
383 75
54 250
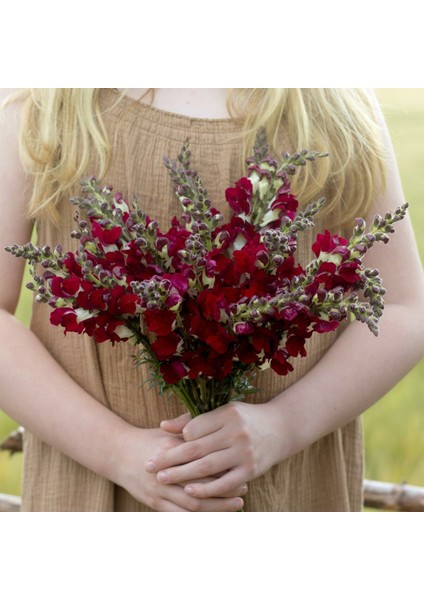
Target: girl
97 439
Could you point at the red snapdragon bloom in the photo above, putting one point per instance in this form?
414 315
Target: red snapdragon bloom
280 364
67 318
166 346
65 287
173 371
104 235
240 197
159 321
328 243
287 203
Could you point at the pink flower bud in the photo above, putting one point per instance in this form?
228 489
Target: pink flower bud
243 328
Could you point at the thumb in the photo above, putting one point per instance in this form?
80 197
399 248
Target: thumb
175 425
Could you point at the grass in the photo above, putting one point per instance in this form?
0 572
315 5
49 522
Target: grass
394 427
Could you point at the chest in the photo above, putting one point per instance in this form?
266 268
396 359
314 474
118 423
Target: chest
200 103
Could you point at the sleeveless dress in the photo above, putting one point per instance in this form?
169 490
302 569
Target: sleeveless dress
327 476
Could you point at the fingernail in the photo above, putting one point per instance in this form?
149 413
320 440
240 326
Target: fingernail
163 476
244 488
189 490
150 465
238 503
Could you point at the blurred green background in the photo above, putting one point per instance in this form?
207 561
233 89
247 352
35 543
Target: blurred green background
394 427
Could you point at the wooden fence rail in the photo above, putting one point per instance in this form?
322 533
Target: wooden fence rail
377 494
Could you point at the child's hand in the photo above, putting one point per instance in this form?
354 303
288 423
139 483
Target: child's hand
239 441
139 444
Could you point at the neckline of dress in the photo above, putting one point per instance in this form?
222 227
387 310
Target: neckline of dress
167 117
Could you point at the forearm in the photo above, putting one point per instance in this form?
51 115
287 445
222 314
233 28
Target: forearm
355 372
41 396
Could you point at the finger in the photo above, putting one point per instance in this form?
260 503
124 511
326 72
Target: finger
206 423
163 505
240 490
175 425
185 453
223 485
176 495
209 465
216 504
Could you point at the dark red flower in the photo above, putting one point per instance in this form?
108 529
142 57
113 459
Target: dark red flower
179 281
295 345
325 326
159 321
197 363
213 301
326 242
240 197
104 235
246 353
71 264
173 371
67 318
245 260
264 339
279 363
215 335
65 287
348 272
287 269
91 298
287 203
164 347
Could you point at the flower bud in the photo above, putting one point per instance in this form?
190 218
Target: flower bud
243 328
262 259
152 226
141 242
160 243
186 202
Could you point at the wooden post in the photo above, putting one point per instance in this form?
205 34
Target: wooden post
13 442
9 503
392 496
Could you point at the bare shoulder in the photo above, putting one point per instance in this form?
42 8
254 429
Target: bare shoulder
14 196
6 92
11 100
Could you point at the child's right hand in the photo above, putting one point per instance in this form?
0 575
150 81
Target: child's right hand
135 447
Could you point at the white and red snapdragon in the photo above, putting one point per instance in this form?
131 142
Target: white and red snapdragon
207 302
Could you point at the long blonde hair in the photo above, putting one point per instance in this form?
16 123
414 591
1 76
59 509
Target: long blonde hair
61 127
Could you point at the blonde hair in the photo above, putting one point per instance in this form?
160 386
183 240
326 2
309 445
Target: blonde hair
61 126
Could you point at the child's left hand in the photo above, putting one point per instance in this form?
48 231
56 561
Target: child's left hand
240 441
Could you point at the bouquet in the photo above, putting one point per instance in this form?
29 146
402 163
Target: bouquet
207 303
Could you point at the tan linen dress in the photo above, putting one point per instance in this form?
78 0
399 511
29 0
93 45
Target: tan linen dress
325 477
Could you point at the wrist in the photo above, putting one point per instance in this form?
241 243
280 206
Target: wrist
119 465
292 423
